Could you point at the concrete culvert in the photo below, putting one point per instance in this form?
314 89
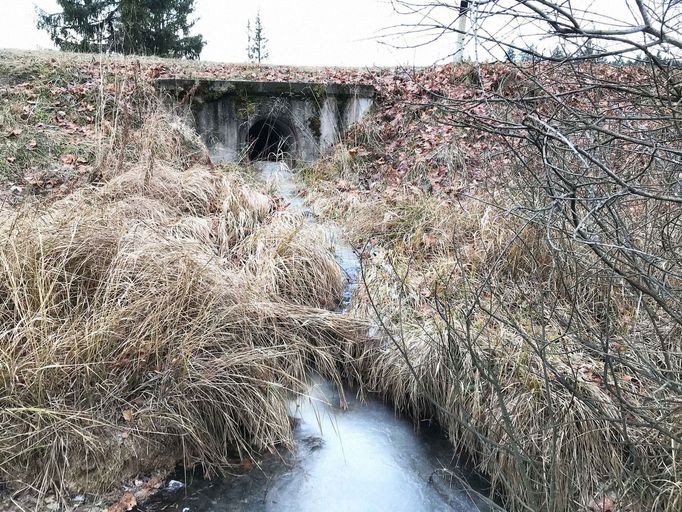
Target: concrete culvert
271 139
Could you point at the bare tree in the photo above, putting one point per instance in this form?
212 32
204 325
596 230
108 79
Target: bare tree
595 191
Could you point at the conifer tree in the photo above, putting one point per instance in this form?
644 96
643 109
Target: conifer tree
256 49
143 27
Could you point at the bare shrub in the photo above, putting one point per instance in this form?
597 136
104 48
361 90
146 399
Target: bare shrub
548 341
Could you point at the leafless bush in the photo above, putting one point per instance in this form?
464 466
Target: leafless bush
558 360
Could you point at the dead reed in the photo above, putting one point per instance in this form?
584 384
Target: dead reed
500 337
164 316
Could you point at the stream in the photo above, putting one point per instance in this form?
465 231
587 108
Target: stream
360 458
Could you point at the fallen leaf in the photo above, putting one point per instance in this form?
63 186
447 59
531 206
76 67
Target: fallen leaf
127 502
155 482
128 415
67 159
429 241
605 504
11 159
31 144
617 347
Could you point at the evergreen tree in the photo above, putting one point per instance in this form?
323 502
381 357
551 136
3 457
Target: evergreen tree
558 53
143 27
530 55
256 49
511 55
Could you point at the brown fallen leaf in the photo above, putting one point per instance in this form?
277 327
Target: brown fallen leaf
67 159
617 347
128 414
605 504
155 482
126 503
429 241
31 144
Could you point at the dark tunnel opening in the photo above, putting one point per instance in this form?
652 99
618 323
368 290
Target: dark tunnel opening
270 139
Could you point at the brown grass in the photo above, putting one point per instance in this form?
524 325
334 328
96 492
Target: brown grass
165 316
471 300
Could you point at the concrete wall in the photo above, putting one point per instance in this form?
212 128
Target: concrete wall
316 115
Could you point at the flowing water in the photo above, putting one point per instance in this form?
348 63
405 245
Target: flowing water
358 458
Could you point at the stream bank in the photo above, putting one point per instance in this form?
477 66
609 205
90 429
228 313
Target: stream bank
357 457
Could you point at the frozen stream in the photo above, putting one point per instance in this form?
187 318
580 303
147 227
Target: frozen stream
362 458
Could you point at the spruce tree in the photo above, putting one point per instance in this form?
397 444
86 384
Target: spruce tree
256 49
558 53
143 27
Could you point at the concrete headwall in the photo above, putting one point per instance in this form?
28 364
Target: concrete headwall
304 118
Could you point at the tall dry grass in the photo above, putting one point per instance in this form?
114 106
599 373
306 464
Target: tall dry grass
537 363
166 315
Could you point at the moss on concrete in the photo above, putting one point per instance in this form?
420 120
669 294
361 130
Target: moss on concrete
315 124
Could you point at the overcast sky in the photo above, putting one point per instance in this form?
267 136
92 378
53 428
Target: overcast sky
301 32
330 32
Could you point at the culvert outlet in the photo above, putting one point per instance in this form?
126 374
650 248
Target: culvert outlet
271 139
293 121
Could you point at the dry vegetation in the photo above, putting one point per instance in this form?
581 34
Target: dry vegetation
157 319
162 307
163 311
538 360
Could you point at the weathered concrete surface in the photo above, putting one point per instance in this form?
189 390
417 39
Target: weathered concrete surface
293 121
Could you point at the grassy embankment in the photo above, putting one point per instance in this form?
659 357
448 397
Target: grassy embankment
152 309
533 354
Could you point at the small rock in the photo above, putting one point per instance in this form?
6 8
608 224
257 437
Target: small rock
174 485
313 443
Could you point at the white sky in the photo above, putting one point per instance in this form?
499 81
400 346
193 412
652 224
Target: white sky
321 32
300 32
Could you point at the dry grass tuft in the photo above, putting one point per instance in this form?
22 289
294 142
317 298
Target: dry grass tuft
489 334
291 258
167 315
